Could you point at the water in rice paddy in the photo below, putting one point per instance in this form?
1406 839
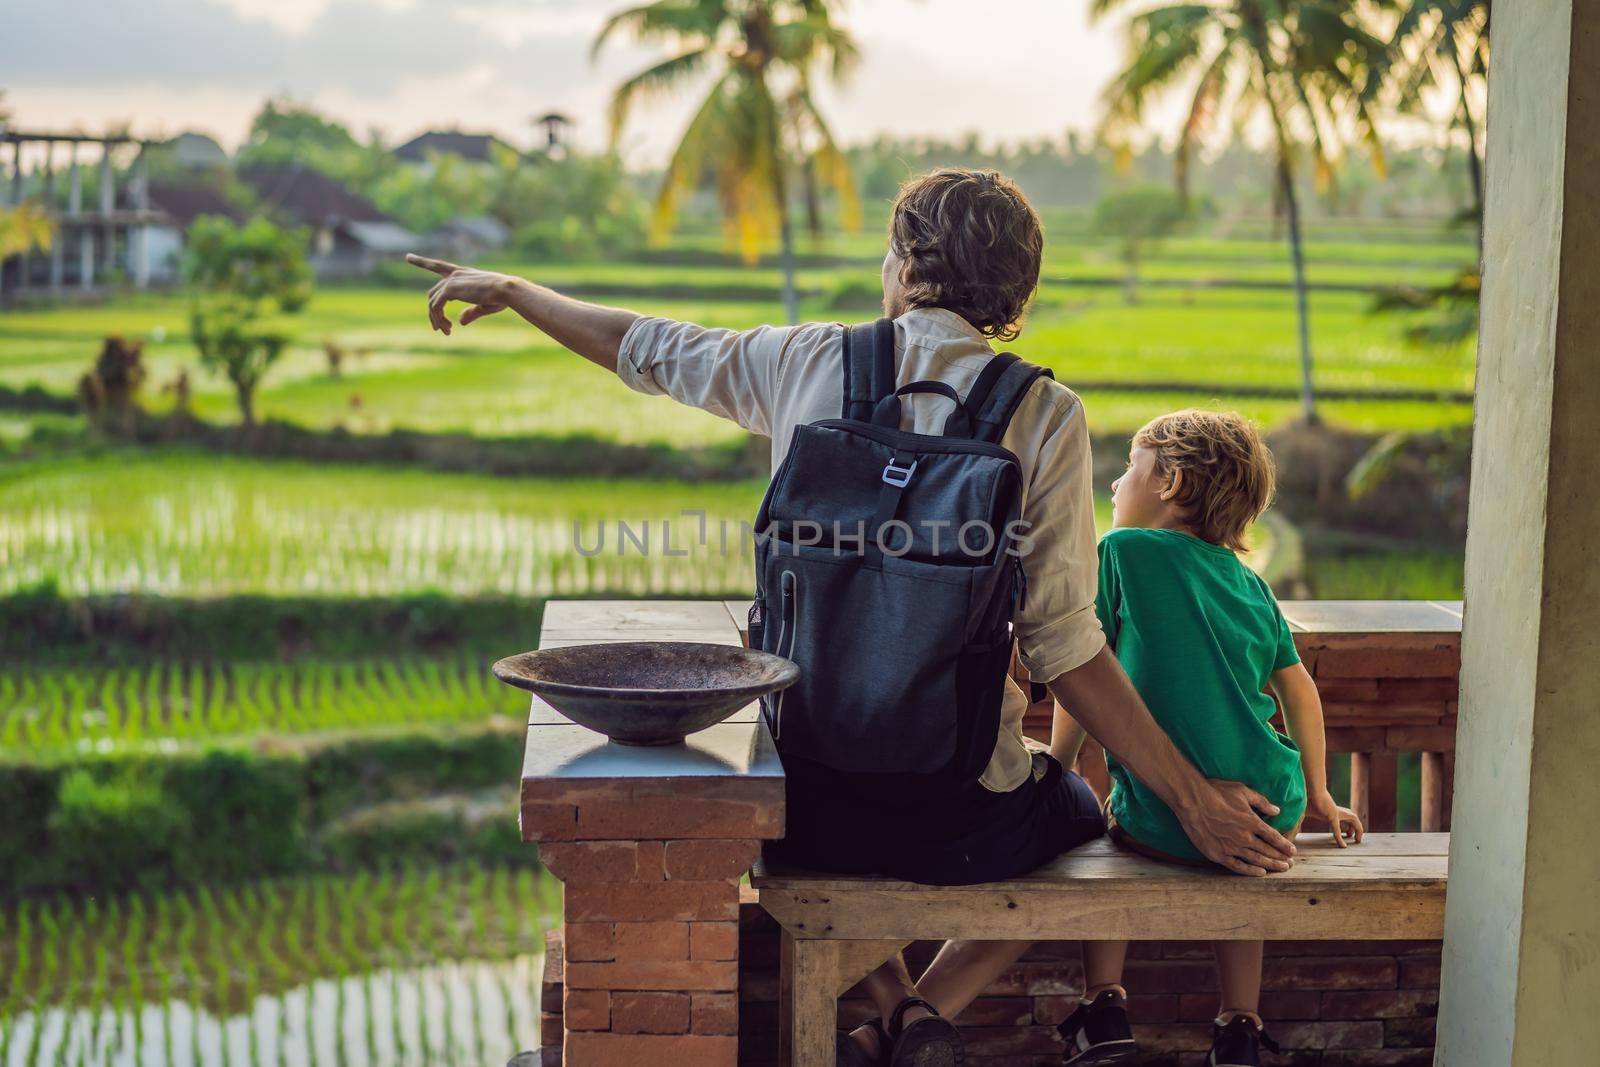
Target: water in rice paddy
455 1014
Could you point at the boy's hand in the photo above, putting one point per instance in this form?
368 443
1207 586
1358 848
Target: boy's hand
1342 821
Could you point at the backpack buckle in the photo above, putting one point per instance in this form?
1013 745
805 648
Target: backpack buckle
898 476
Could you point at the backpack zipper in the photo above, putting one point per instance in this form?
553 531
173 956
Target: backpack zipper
920 442
788 619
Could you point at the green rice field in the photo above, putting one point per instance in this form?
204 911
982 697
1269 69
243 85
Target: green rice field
500 377
200 525
424 966
56 709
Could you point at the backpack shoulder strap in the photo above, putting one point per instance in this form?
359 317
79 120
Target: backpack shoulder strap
984 384
991 412
869 367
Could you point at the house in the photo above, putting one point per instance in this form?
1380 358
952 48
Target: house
349 236
468 237
481 148
158 241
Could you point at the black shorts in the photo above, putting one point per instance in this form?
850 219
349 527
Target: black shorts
846 824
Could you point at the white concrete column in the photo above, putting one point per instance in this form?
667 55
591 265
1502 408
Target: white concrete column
74 184
139 234
1522 932
108 204
86 257
58 244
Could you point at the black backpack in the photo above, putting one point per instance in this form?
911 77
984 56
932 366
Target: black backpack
887 567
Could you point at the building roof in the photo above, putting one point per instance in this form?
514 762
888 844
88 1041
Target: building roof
480 228
187 201
308 197
383 236
192 149
474 147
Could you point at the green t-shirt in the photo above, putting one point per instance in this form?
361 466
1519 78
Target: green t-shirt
1200 635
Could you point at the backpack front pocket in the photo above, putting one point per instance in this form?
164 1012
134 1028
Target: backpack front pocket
880 651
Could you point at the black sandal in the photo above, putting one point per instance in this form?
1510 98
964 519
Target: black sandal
931 1041
851 1054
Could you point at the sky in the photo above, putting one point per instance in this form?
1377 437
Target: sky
1007 69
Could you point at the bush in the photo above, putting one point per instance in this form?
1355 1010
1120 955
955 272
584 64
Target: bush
443 830
120 830
121 629
145 819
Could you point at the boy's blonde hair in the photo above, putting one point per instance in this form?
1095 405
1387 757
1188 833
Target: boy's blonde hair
1228 475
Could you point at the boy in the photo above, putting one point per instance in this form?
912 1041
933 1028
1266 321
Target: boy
1202 638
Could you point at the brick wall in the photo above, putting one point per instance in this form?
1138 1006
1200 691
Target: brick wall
1329 1003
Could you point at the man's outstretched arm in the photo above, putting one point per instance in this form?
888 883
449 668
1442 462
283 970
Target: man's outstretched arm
592 331
1219 817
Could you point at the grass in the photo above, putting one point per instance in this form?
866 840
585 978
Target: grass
406 966
1413 574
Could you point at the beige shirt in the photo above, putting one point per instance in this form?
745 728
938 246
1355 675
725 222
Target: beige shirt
771 379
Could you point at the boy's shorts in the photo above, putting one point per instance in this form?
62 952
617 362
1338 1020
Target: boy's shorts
1124 840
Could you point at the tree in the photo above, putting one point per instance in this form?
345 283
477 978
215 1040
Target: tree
1310 69
1445 44
284 132
574 206
1138 217
236 275
759 123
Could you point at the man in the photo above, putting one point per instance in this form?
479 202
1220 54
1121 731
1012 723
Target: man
963 261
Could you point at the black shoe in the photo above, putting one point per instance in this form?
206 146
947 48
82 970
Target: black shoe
1098 1032
850 1054
930 1041
1239 1043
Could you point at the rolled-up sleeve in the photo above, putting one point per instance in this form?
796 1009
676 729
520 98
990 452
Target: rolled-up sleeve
1057 627
731 373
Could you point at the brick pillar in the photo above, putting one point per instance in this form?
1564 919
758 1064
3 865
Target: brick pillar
650 845
652 930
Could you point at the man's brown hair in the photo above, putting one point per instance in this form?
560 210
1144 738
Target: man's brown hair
971 243
1228 475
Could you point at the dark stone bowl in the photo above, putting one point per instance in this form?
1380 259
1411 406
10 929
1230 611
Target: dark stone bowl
648 692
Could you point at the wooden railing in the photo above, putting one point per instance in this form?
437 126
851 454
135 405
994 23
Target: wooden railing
1387 671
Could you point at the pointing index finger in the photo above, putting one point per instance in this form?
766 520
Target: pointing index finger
438 266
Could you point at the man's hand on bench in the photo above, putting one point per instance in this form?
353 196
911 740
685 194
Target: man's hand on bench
1223 825
1219 817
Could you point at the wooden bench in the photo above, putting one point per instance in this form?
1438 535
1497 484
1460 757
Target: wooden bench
837 929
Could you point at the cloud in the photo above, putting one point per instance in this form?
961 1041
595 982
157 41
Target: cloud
364 47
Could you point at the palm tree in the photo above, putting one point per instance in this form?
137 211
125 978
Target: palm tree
758 123
1445 44
1309 68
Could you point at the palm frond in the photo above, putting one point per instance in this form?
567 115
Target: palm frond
664 76
831 165
1163 45
689 160
1208 94
816 38
664 20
